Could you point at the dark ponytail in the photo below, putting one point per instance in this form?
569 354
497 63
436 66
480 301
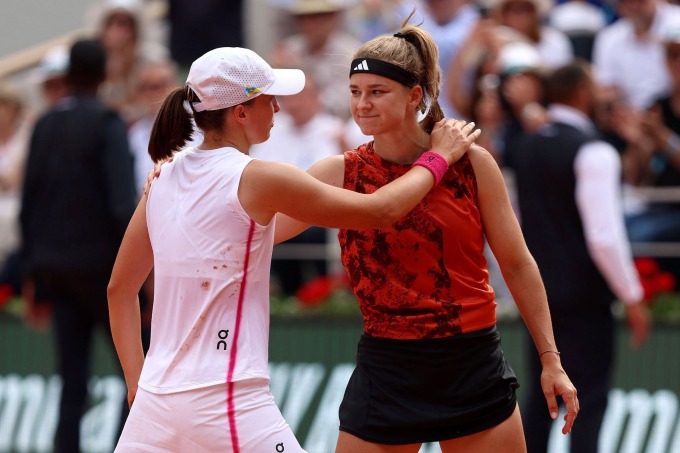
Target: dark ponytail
172 128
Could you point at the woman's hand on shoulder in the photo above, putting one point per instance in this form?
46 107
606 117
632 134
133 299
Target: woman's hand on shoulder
154 173
452 138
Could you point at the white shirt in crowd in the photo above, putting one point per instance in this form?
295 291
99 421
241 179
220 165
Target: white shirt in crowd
636 66
303 145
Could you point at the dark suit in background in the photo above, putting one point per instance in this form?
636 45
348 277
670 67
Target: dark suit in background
78 198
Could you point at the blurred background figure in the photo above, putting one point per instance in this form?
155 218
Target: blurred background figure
528 17
152 80
569 192
637 75
302 135
450 22
652 159
77 199
50 79
122 28
580 21
521 94
371 18
322 45
50 76
14 134
197 26
506 92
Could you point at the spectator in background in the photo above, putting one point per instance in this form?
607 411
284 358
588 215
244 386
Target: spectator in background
580 21
450 22
197 26
152 81
521 94
123 27
628 59
568 184
14 135
371 18
506 93
303 134
78 197
652 159
528 18
51 75
321 45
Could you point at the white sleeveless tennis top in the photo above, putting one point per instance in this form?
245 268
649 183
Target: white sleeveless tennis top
210 320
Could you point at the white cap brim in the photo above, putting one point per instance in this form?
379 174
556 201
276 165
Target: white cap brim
286 82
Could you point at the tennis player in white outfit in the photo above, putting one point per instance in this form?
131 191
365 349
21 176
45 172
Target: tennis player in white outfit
207 228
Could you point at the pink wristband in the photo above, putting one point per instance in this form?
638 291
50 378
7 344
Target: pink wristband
435 163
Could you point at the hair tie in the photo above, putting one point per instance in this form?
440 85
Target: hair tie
407 38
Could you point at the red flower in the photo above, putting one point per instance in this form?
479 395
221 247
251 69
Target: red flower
315 291
6 293
648 288
646 266
664 282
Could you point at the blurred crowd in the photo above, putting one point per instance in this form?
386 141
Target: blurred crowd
495 55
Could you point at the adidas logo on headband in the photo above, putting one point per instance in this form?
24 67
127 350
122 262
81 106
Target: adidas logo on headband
385 69
363 66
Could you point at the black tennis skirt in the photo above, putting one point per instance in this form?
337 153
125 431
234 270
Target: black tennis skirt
413 391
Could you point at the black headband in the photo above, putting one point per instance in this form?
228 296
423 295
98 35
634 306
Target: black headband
385 69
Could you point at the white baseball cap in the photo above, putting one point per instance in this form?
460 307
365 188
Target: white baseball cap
520 56
229 76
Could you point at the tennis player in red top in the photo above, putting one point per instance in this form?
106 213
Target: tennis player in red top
430 367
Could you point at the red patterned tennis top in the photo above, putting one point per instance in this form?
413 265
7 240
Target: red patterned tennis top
426 276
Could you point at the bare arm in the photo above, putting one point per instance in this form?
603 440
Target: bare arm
133 265
523 279
330 170
270 187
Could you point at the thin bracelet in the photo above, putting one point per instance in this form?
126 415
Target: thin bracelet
545 352
434 162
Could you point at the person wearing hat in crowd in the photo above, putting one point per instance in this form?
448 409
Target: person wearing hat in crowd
430 367
580 21
322 46
77 198
51 75
127 35
207 229
528 17
568 187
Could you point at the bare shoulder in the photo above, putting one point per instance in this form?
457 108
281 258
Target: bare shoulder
480 156
330 170
483 163
265 168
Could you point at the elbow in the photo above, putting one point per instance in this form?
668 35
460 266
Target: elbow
114 291
385 215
